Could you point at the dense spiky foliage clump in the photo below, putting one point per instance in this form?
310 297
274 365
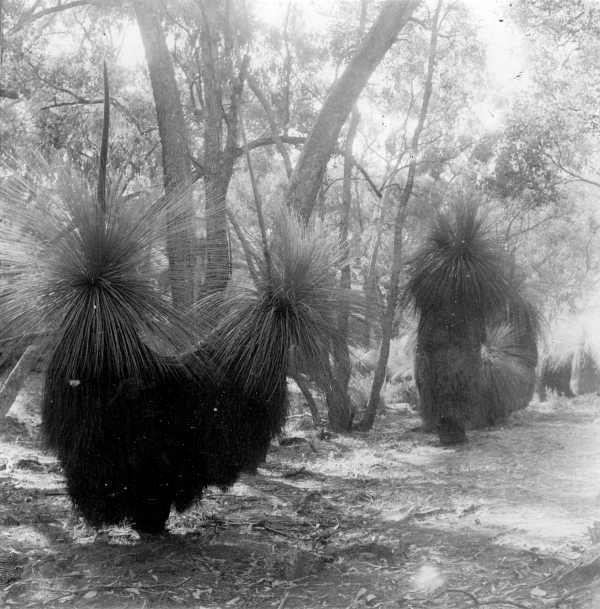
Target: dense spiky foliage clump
460 288
510 359
293 302
64 258
508 376
571 359
138 429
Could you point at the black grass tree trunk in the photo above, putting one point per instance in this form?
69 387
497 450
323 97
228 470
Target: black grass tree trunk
448 364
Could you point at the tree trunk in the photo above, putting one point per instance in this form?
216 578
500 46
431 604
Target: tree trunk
341 354
340 411
339 407
175 155
295 374
392 299
309 171
220 136
371 289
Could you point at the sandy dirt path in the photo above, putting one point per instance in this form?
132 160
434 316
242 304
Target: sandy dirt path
388 519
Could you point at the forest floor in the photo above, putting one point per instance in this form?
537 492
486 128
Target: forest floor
386 519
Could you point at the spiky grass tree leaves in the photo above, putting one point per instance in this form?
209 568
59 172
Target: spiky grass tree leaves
508 375
461 269
293 304
81 276
458 282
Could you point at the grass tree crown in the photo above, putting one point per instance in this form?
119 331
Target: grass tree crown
461 269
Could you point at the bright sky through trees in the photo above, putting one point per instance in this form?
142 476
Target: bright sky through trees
505 46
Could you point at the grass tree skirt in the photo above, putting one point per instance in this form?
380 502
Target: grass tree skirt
448 389
459 286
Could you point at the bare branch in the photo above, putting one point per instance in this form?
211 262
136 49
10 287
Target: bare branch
34 16
249 254
377 191
295 140
257 203
577 177
264 102
81 102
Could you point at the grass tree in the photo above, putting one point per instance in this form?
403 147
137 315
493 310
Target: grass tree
459 285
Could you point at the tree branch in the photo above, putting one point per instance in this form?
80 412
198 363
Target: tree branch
34 16
264 102
377 191
260 142
79 102
571 173
82 101
251 257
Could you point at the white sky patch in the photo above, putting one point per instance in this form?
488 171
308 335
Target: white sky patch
270 11
506 47
130 52
506 59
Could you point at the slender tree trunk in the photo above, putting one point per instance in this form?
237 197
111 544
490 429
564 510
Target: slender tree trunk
340 412
339 407
174 140
373 310
309 171
220 135
295 374
272 120
342 356
392 298
216 182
